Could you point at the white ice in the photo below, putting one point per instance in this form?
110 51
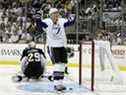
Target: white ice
8 87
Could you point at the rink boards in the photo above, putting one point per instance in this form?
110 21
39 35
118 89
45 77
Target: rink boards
11 53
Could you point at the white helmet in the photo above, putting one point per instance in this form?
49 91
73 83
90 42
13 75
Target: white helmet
32 44
53 10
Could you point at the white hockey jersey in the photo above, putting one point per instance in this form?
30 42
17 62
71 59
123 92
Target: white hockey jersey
56 36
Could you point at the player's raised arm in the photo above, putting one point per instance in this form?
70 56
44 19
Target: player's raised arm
39 22
71 20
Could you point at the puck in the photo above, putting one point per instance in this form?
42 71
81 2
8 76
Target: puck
70 88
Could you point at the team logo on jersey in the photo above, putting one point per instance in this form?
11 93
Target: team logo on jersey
56 31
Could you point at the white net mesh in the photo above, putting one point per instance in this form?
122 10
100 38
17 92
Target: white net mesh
107 74
108 77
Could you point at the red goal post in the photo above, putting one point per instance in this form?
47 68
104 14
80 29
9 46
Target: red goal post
92 43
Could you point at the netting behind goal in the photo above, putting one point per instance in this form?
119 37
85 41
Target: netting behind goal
97 68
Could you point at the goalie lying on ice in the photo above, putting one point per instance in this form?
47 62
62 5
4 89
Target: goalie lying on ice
33 61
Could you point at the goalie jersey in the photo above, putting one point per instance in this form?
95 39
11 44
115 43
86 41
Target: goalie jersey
34 55
33 61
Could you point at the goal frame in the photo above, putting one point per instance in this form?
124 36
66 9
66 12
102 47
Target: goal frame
92 43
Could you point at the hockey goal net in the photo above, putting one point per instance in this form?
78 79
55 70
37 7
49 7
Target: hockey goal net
97 67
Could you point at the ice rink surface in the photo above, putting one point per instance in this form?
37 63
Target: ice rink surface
45 87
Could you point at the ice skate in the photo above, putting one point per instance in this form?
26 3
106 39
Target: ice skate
59 87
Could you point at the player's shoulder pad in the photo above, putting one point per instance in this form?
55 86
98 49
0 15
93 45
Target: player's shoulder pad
40 50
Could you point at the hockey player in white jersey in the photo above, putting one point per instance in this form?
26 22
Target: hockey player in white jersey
56 42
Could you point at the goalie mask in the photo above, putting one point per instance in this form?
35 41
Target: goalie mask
32 45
